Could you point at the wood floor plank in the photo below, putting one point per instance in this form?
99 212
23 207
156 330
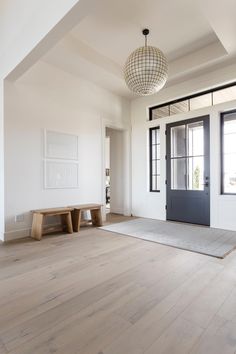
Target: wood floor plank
179 338
101 293
203 309
219 338
74 299
150 327
171 277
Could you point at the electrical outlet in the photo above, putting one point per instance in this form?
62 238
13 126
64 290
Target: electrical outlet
19 218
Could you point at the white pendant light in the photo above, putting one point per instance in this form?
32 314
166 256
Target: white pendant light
146 69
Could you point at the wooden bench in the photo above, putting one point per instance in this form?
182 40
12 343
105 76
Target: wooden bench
39 215
95 210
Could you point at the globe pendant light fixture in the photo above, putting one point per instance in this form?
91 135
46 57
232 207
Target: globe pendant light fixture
146 69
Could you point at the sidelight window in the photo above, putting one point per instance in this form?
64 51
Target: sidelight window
228 152
154 151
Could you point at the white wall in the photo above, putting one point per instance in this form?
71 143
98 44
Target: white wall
1 162
107 152
152 205
28 28
47 97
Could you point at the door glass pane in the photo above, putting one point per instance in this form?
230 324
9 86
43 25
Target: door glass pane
195 139
178 148
195 180
178 174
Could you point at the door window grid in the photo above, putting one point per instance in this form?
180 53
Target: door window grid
228 152
154 151
187 157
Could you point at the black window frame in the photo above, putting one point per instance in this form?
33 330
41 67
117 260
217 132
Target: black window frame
222 116
151 159
201 93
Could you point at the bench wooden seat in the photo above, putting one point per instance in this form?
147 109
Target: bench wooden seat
95 210
40 214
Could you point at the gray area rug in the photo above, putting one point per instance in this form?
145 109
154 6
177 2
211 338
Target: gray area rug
205 240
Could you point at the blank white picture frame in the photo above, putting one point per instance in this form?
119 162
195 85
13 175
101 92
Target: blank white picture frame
60 145
59 174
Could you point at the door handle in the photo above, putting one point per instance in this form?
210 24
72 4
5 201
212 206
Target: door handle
206 184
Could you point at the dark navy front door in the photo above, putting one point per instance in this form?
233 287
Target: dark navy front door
188 171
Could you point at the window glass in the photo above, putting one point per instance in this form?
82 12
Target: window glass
229 153
195 139
154 159
201 101
178 141
195 166
179 107
187 156
178 173
224 95
160 112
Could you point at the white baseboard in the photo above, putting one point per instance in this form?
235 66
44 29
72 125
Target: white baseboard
117 211
22 233
16 234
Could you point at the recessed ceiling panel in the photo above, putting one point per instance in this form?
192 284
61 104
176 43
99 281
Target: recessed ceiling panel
115 29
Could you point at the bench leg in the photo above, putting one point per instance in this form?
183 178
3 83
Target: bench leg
76 219
69 223
63 222
37 226
96 216
66 223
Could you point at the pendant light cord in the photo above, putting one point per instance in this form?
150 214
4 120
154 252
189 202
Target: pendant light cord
145 33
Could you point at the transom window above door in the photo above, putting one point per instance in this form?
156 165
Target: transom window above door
190 103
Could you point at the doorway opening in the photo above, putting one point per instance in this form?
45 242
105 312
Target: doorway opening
114 171
107 173
188 171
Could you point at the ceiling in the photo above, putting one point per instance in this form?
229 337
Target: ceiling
195 35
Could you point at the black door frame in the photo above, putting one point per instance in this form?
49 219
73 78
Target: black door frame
206 119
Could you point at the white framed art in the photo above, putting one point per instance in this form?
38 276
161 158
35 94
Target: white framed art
60 160
60 145
60 174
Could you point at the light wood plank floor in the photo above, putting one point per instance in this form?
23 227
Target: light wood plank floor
101 293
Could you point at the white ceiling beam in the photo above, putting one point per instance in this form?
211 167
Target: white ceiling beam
221 16
196 60
83 50
45 37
